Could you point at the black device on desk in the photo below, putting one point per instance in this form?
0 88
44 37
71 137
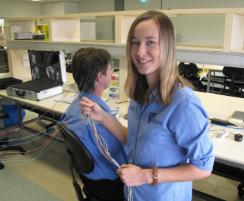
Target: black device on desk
5 75
221 122
8 81
238 137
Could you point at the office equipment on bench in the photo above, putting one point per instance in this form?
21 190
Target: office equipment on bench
221 122
4 63
237 118
82 161
48 75
238 137
234 81
23 35
6 78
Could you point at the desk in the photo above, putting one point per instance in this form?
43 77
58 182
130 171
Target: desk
229 153
48 106
220 106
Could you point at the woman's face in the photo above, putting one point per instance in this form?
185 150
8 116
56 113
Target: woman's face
145 49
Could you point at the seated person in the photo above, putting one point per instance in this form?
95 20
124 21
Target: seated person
92 70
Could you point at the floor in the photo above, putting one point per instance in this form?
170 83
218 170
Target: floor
49 169
51 172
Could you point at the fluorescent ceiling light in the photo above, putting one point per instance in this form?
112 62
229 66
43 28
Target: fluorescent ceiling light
36 0
143 1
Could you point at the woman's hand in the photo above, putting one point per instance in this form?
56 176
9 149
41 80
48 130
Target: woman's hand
132 175
93 109
107 120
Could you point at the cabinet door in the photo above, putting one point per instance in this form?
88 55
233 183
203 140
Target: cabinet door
235 33
199 31
97 29
65 30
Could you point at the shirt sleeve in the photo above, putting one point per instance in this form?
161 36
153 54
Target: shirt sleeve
189 124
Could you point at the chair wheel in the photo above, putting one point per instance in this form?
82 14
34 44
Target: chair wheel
22 151
241 190
1 166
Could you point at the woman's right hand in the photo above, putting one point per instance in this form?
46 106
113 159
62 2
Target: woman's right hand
92 109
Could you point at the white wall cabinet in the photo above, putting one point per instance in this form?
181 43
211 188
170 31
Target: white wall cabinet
218 30
196 29
205 36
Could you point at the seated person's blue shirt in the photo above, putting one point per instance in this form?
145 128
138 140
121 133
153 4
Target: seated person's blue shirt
167 136
72 118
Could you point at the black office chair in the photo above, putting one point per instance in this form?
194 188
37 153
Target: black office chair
190 72
233 81
81 161
5 143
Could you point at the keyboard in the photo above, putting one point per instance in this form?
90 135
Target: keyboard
7 81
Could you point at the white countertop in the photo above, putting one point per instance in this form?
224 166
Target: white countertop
217 106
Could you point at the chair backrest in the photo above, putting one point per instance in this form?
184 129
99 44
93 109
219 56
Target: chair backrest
188 70
80 156
83 162
234 73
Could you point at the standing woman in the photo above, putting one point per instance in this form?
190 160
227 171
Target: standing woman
167 138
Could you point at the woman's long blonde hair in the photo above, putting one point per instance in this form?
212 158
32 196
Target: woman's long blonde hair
136 85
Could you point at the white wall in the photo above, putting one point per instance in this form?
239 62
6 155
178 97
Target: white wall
96 6
182 4
175 4
135 5
11 8
71 7
56 8
59 8
15 8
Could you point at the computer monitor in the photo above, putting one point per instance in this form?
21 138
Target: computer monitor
4 64
47 65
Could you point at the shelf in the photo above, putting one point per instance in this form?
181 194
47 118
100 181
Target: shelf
199 47
238 50
86 42
199 32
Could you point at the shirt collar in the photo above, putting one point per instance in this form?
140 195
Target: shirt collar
154 94
96 99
